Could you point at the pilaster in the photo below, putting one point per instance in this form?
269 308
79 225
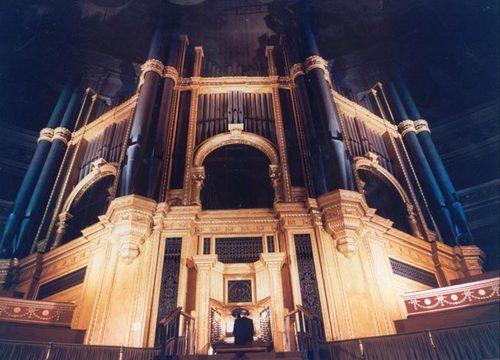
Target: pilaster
274 263
127 255
203 265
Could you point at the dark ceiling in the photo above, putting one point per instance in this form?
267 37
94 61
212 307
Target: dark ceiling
447 50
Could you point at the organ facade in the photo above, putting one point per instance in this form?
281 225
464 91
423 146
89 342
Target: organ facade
215 188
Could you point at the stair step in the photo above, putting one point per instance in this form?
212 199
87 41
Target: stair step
247 356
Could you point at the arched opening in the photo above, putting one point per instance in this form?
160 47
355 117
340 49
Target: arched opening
381 195
85 211
237 177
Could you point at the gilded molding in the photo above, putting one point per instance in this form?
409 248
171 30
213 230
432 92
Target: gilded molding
406 126
171 73
235 137
296 70
316 62
421 125
152 65
62 134
46 134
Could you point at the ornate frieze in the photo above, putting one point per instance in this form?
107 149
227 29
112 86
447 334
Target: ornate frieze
39 312
453 297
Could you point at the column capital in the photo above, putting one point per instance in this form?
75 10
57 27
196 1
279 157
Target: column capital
421 126
296 70
406 126
62 134
204 262
273 261
316 62
46 134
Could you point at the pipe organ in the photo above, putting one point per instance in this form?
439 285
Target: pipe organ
318 244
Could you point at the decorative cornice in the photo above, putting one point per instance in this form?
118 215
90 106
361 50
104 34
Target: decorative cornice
46 134
421 125
406 126
62 134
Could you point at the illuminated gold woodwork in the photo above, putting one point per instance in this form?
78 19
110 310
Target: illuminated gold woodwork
353 248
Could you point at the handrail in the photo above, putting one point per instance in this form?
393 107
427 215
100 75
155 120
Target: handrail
303 331
176 334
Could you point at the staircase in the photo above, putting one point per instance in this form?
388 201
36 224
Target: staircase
295 355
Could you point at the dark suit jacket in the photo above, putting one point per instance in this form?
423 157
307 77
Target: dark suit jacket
243 331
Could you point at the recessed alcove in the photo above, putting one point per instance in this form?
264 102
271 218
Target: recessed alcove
237 177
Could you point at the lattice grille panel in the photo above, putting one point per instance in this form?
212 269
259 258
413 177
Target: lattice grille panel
307 274
413 273
238 250
170 277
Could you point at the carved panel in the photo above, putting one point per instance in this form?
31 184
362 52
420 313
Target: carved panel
170 277
239 291
238 249
307 274
265 324
413 273
62 283
216 330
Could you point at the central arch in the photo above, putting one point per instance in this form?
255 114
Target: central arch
235 137
238 160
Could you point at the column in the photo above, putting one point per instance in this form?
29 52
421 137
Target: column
158 159
318 173
40 195
139 140
324 112
203 265
464 236
425 175
29 181
274 263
